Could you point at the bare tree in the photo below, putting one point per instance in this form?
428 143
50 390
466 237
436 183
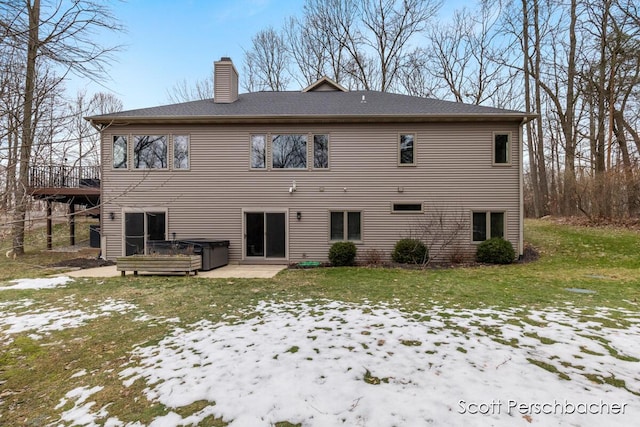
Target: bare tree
265 63
59 33
389 26
466 57
440 230
184 91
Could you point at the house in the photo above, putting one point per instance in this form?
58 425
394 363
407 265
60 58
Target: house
283 175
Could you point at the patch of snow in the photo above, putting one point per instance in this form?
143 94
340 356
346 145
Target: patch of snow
80 373
81 414
349 364
121 307
47 283
45 319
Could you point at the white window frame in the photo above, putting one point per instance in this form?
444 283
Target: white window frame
133 152
266 137
405 212
126 152
493 148
488 223
306 157
312 164
415 150
142 210
345 227
173 152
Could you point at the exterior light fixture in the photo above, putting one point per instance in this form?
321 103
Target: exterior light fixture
299 215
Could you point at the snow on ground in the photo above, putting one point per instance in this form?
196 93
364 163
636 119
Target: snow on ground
24 315
81 413
50 282
345 364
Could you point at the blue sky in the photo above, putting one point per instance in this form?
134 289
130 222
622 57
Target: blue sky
167 41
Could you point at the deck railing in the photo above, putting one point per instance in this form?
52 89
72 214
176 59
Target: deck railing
59 176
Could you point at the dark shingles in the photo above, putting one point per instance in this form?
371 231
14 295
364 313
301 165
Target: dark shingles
292 104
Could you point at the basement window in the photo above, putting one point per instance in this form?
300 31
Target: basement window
346 225
488 225
406 207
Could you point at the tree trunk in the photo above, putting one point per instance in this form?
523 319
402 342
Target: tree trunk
569 175
533 167
632 193
21 196
543 189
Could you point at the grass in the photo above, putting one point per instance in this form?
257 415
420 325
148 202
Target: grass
34 373
37 260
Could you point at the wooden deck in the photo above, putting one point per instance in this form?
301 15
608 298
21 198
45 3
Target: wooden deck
66 184
72 185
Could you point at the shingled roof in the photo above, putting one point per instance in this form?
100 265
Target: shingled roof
310 106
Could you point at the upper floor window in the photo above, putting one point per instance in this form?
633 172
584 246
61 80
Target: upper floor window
501 143
407 150
120 148
320 151
150 152
487 225
181 152
258 151
289 151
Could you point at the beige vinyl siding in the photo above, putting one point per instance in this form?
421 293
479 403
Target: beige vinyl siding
454 171
225 82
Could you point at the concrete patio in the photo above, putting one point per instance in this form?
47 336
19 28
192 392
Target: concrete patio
229 271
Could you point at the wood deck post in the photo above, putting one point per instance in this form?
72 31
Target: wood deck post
72 224
49 226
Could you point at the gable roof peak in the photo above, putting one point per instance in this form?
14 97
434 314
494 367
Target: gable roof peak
325 84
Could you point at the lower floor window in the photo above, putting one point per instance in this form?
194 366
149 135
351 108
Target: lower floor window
487 225
346 225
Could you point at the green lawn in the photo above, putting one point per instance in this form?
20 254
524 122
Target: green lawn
34 371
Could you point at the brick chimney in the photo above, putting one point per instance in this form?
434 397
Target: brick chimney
225 81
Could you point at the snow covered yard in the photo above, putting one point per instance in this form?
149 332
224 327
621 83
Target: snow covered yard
326 363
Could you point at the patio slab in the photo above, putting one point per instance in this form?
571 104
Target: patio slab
226 272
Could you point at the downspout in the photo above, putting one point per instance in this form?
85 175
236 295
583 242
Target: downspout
521 188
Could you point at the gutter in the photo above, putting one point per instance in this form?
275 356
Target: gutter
268 119
525 120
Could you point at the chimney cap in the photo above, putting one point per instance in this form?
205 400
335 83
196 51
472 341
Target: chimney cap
226 59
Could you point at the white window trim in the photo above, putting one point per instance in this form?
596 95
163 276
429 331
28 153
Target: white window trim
270 151
345 230
415 150
509 147
133 151
312 151
393 211
128 151
173 151
488 213
267 160
142 210
265 210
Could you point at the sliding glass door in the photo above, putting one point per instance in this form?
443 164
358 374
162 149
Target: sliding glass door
140 227
265 234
